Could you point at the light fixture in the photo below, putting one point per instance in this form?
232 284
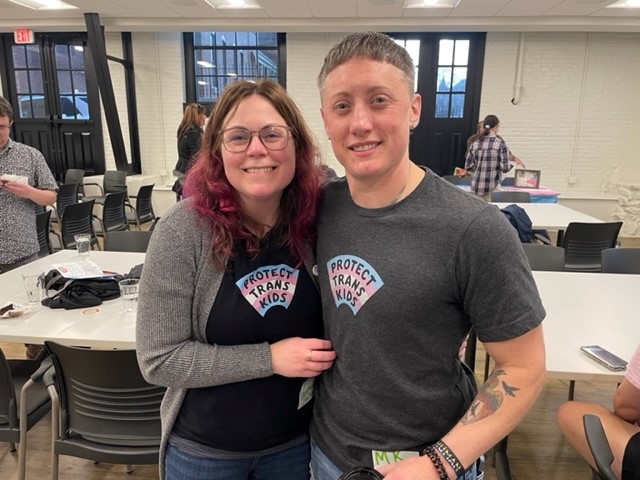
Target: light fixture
633 3
431 3
44 4
79 48
232 4
625 4
205 64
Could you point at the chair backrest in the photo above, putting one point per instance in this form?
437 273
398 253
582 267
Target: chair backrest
509 196
75 175
132 241
599 446
584 242
43 225
77 219
114 181
67 195
114 217
621 260
104 398
144 205
456 180
508 181
544 257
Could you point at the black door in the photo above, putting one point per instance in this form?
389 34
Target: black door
449 78
55 99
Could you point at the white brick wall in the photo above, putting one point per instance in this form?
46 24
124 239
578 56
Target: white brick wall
579 112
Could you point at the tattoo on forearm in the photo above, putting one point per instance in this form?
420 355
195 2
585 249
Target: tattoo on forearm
489 398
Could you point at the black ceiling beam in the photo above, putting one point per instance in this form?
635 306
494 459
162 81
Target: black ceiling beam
98 50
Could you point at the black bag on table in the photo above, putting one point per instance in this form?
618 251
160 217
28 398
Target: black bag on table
79 292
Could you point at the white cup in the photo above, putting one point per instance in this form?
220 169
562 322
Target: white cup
34 286
129 293
83 244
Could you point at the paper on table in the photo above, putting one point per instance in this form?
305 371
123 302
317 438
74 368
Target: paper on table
79 270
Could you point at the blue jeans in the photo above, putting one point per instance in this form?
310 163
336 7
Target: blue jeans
289 464
323 469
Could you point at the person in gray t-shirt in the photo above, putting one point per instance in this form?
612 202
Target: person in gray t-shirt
27 181
407 265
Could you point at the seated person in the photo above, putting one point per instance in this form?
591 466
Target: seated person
620 426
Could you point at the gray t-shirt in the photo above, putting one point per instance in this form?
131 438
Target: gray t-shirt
401 287
18 234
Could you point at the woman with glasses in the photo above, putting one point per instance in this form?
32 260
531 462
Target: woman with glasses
229 316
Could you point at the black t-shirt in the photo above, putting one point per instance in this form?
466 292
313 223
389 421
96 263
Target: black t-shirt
260 300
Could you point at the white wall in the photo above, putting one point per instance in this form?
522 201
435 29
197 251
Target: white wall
577 120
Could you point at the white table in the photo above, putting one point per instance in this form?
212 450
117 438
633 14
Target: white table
587 309
552 216
104 326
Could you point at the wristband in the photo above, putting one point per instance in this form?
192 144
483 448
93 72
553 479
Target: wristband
449 457
431 453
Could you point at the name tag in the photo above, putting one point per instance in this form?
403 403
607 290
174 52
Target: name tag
389 458
306 392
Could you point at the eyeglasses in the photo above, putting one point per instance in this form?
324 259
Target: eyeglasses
238 139
4 127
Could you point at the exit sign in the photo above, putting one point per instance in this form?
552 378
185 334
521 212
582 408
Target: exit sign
24 36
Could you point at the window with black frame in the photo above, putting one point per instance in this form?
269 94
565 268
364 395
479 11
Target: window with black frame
215 59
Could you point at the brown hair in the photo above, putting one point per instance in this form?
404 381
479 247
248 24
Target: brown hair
190 118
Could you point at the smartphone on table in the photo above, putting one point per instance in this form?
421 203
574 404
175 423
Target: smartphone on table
604 357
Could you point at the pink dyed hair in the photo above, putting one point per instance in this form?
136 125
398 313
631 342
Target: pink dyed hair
215 199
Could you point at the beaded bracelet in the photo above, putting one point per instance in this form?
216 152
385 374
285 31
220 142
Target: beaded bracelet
431 453
449 457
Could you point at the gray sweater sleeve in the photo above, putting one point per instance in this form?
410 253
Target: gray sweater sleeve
178 287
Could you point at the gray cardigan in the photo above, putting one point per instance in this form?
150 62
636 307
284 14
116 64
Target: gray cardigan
177 290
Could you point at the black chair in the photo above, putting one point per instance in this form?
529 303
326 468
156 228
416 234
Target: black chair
599 446
23 402
154 223
584 242
456 180
75 175
621 260
143 211
43 227
508 196
132 241
114 218
112 181
67 195
102 408
544 257
78 219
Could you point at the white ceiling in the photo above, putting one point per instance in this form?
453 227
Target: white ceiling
330 16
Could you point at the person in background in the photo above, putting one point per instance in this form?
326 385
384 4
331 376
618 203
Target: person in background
189 138
408 264
487 159
620 426
230 321
476 136
18 233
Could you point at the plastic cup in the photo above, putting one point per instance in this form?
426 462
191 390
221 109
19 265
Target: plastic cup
83 244
129 293
34 286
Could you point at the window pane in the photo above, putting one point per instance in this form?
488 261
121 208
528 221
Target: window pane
22 81
24 106
79 82
445 54
33 56
442 105
459 79
19 56
457 105
62 57
64 83
267 63
246 39
35 78
205 62
267 39
77 57
444 79
82 107
225 39
462 52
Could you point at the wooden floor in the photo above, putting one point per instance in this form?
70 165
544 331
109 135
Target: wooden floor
537 450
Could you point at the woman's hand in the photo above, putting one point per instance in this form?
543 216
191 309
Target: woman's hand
301 357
